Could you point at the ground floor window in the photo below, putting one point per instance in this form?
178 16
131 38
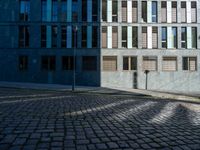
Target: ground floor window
48 63
150 63
110 63
190 63
23 63
67 63
129 63
89 63
169 64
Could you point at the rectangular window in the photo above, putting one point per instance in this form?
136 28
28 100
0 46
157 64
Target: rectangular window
124 11
144 11
154 11
194 37
75 11
94 10
164 37
163 11
174 12
44 10
23 36
129 63
154 37
104 37
84 10
183 37
193 12
23 63
104 10
89 63
43 36
183 12
124 37
54 37
169 64
63 36
114 11
174 37
48 63
67 63
55 10
144 37
134 11
84 36
150 63
190 63
94 36
135 37
109 63
115 37
24 10
64 10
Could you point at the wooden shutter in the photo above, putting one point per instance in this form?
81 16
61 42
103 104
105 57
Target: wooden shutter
144 37
114 37
150 63
192 63
110 63
104 37
134 11
163 12
193 12
169 64
174 12
124 11
155 37
183 11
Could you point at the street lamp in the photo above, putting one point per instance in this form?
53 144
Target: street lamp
146 72
75 29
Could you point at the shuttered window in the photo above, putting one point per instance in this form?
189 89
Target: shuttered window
114 37
150 63
193 12
124 11
169 64
104 37
144 37
135 37
154 37
190 63
134 11
174 11
109 63
164 11
183 12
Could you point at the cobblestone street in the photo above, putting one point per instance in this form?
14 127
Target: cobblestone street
33 119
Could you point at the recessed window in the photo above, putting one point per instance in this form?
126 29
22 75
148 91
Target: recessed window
84 36
24 10
183 12
150 63
109 63
134 11
129 63
193 12
174 37
124 37
54 37
23 63
183 37
89 63
104 10
174 12
114 37
154 37
44 10
144 37
67 63
94 10
169 64
104 37
194 37
164 37
154 11
190 63
163 11
94 36
124 11
55 10
63 36
43 36
135 37
24 36
114 11
144 11
48 63
64 10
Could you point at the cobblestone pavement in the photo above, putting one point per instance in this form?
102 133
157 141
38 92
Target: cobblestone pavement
31 119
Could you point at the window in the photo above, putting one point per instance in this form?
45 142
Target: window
94 10
67 63
94 36
150 63
23 63
54 36
44 10
154 11
124 11
110 63
24 10
23 36
144 11
129 63
183 12
55 10
194 37
104 10
164 37
193 12
190 63
114 11
144 37
75 9
84 36
89 63
183 37
84 10
134 11
43 36
174 37
114 37
48 63
64 10
154 37
169 64
124 37
63 36
163 11
135 37
104 37
174 11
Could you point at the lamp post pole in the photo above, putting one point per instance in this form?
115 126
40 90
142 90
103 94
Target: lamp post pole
75 28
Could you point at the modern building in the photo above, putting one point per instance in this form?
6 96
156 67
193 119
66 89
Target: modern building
115 42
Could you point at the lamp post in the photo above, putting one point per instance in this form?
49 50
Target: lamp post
146 72
75 29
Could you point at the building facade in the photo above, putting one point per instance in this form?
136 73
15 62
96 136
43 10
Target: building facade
115 42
